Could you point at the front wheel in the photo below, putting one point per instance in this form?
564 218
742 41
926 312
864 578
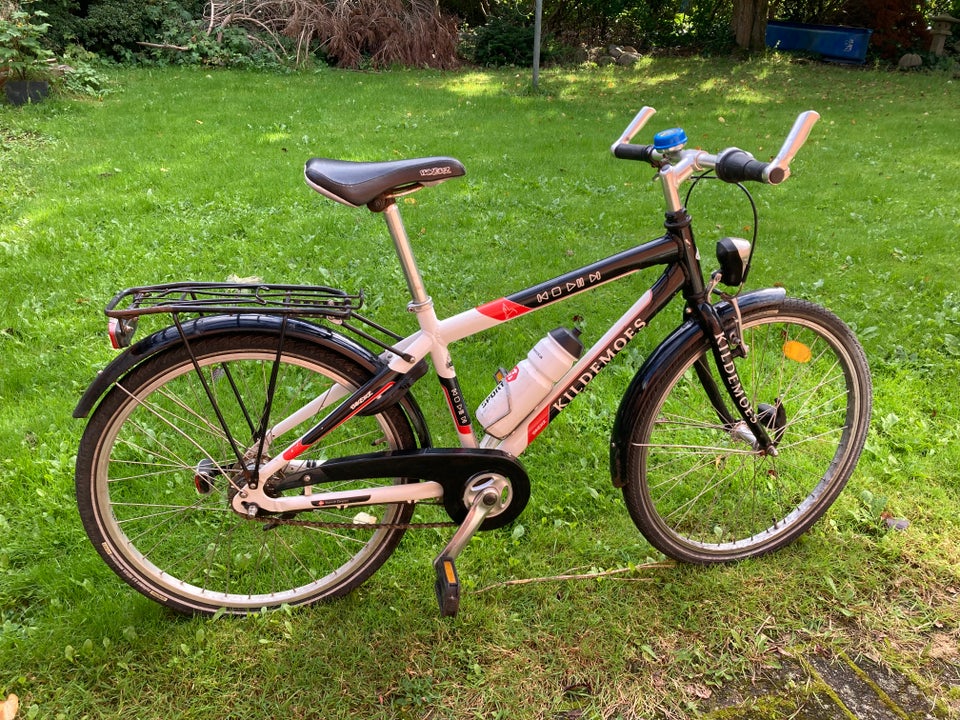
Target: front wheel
697 489
158 466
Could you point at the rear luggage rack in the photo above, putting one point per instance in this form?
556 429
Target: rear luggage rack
199 298
232 298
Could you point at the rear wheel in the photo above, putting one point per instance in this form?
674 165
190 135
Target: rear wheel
696 488
156 472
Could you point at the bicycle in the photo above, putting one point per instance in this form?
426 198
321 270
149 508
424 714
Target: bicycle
234 460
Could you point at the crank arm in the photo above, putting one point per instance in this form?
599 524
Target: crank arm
447 585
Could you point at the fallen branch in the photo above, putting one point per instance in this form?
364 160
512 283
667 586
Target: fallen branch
582 576
164 46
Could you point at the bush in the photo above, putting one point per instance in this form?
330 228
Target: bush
899 26
348 33
386 32
22 53
505 39
114 27
81 76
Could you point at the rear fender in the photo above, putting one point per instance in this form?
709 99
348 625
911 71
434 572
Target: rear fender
171 337
687 334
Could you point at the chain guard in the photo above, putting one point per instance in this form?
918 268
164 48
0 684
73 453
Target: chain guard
456 469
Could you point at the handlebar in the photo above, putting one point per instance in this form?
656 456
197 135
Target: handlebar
731 165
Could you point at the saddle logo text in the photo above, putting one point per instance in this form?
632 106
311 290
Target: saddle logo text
430 172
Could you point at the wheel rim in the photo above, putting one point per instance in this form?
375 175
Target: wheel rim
190 545
710 493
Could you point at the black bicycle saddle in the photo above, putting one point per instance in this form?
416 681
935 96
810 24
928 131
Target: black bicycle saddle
359 183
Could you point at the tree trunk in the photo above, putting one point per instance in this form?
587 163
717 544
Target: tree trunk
750 23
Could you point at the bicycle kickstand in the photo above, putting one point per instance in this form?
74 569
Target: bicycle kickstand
448 584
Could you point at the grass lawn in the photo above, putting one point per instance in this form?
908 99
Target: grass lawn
196 174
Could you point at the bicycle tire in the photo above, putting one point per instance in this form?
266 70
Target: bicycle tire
694 487
166 527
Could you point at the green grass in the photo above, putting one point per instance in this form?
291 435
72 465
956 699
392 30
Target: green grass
193 174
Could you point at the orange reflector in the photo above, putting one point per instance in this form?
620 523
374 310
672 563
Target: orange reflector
450 573
797 351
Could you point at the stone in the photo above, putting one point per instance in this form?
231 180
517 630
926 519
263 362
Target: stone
909 61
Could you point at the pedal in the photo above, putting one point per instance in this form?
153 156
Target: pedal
485 499
447 586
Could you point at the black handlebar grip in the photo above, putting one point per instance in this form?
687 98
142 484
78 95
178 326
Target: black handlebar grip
626 151
735 165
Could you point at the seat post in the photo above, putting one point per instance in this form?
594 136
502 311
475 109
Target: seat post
405 254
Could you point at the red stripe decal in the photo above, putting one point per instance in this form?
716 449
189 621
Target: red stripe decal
538 425
502 309
294 450
298 447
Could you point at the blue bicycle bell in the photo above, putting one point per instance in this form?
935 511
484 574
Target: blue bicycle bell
672 139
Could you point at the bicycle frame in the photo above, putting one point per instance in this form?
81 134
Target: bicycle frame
674 250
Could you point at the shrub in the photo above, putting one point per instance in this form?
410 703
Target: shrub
899 26
81 76
22 54
505 39
114 27
386 32
349 33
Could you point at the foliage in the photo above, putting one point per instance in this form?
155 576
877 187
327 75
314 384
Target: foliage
348 33
22 53
506 35
80 75
471 12
63 24
898 26
185 41
114 27
422 33
696 24
505 39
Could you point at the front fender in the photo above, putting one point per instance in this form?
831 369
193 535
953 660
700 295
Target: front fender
688 333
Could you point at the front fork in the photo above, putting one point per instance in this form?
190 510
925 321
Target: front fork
754 432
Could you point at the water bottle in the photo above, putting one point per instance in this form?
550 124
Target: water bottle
529 382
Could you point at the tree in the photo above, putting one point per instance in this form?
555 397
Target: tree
750 23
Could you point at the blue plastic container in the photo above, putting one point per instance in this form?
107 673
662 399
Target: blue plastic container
834 42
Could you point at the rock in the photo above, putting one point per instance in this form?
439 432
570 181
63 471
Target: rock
909 61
